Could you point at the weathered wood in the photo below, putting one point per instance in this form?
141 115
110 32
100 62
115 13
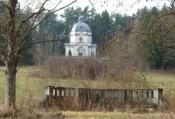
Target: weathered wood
90 98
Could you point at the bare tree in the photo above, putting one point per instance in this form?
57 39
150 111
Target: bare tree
14 35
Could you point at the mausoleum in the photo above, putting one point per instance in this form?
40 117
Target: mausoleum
80 43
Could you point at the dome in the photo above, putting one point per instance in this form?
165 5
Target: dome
81 26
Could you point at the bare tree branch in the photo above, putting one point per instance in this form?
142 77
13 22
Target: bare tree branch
170 30
5 5
172 13
36 14
91 3
139 32
38 42
45 17
15 33
55 6
33 14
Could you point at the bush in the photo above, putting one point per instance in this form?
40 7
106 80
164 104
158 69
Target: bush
73 68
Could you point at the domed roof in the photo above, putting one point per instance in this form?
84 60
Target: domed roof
81 26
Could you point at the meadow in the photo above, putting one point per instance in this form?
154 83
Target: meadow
29 91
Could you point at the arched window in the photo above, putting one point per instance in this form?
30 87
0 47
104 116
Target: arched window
69 53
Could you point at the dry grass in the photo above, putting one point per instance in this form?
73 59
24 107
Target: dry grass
114 115
117 115
55 114
30 89
30 92
167 82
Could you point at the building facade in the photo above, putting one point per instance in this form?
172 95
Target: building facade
80 43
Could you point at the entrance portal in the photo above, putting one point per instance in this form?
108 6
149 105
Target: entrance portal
81 51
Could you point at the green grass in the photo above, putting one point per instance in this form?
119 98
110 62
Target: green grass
31 88
30 91
166 81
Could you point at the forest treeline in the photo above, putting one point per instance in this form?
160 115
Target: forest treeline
150 30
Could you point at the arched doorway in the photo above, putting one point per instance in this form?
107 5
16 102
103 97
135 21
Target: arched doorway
92 54
69 53
81 51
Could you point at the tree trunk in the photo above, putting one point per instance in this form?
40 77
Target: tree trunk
11 86
12 56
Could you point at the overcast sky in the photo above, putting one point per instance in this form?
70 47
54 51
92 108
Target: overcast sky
112 6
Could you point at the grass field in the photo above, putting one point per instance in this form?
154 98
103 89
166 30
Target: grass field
30 91
113 115
165 81
117 115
